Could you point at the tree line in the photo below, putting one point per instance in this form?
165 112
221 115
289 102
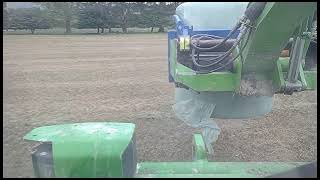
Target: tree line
84 15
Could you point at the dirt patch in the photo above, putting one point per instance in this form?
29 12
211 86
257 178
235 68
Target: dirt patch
63 79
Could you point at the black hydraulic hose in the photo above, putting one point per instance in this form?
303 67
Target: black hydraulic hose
219 58
254 10
222 57
222 42
202 36
208 36
236 27
207 59
230 61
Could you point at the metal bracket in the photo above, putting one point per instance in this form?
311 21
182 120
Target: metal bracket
292 84
291 87
306 35
199 149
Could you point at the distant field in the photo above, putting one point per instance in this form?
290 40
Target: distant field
56 31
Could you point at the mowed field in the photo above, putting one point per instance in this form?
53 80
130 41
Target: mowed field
55 79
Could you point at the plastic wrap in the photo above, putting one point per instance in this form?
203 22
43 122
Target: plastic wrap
198 110
196 113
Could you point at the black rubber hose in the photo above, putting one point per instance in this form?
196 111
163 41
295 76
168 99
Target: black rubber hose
222 57
230 61
212 42
207 36
236 27
254 10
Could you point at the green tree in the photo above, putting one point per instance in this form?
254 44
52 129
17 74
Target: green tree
148 17
105 15
62 11
157 14
5 17
111 21
29 18
122 12
95 15
86 16
174 5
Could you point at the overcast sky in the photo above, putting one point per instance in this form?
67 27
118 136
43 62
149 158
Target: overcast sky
16 5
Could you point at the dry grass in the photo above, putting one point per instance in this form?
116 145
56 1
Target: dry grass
59 79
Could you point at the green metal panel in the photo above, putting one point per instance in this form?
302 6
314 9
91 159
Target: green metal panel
94 150
301 77
311 79
213 169
274 27
195 176
307 78
278 78
216 81
86 149
284 61
200 152
219 81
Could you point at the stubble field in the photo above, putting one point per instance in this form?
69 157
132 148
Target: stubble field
54 79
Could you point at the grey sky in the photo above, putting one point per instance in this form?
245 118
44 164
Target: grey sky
17 5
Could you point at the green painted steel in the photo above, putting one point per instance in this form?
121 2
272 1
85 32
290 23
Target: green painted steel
215 81
274 27
307 78
301 77
194 176
311 79
226 81
213 169
199 151
284 61
95 149
278 78
86 149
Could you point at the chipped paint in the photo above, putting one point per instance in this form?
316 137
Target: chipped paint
194 170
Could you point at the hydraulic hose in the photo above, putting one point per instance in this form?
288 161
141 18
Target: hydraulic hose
222 57
235 28
253 11
230 61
